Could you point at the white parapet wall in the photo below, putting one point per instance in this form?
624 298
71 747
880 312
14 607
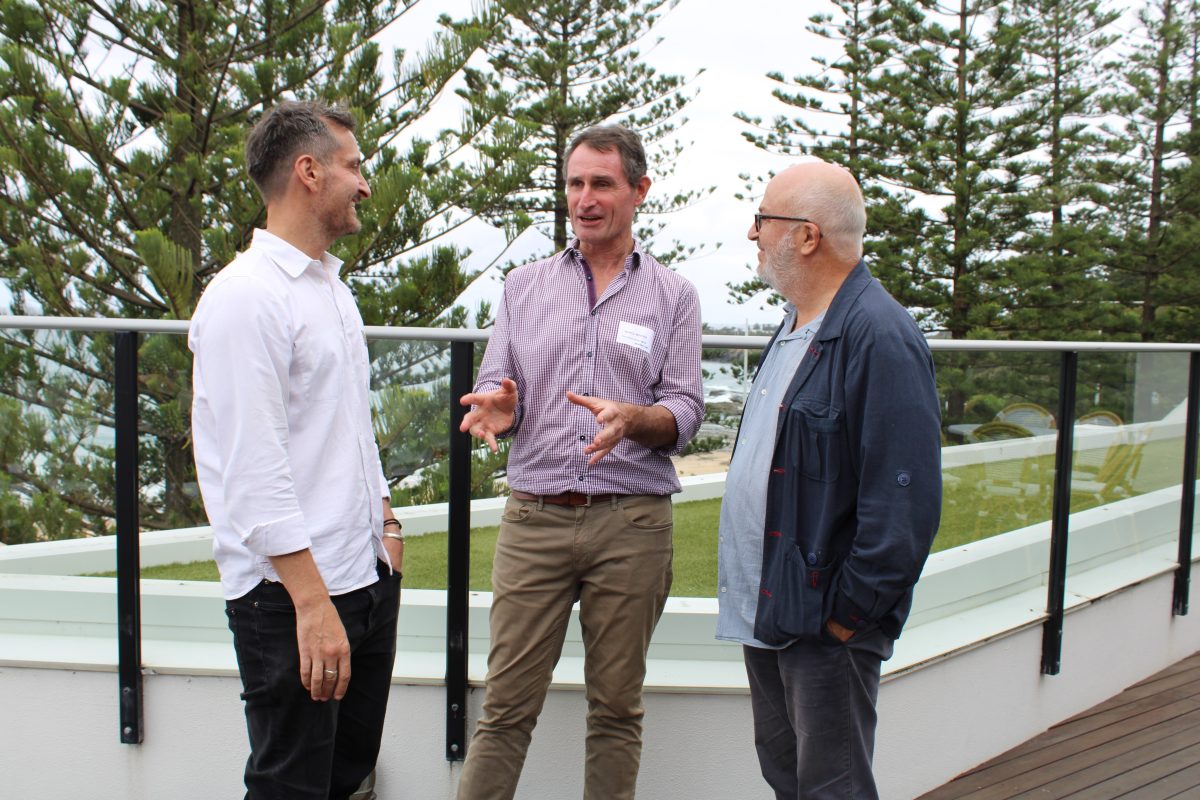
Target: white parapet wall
965 683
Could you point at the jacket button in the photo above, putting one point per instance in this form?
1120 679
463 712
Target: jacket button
812 558
903 478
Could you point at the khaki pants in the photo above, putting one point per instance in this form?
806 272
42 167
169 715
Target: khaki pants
615 558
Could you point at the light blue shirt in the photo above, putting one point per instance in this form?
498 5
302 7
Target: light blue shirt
744 509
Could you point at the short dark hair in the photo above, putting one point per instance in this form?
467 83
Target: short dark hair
609 137
285 131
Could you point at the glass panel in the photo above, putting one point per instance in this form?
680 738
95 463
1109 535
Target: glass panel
56 437
1128 444
728 374
999 432
170 495
410 404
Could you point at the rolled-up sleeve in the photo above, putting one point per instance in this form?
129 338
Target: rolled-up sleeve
498 364
243 348
681 387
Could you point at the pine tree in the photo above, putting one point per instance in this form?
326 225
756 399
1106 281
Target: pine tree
834 104
123 190
570 64
1057 235
1152 215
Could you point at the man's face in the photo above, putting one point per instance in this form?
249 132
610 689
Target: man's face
776 241
343 187
599 198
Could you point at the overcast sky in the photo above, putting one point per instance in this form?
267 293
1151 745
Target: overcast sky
736 43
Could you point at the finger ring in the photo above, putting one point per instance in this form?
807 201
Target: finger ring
331 673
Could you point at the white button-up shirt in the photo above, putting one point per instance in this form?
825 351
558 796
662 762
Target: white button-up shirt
281 420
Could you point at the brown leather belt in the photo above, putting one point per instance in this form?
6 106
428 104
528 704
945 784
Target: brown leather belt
566 498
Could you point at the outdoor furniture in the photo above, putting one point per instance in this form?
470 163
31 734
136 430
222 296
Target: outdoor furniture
1010 486
1106 418
995 430
1029 415
1112 478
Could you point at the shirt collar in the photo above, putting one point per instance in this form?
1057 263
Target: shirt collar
638 253
805 331
290 259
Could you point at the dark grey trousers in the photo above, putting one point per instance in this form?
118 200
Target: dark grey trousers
814 718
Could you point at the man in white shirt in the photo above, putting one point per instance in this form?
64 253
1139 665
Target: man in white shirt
304 536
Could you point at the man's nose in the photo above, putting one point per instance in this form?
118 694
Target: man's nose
364 188
752 234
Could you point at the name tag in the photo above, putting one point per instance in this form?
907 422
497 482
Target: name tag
637 336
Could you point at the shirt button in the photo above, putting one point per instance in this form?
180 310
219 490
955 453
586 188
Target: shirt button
724 589
583 438
589 353
580 477
764 391
781 344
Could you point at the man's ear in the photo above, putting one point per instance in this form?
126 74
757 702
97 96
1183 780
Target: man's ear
810 237
642 187
307 170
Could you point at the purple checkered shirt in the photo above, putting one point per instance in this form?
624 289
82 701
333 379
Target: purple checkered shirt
639 343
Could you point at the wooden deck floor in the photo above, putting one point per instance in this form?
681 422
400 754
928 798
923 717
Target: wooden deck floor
1144 744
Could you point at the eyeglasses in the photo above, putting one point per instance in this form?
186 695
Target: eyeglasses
758 220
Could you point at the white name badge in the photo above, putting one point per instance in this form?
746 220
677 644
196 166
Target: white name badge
638 336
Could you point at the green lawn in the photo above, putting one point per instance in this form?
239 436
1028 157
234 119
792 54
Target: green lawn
968 514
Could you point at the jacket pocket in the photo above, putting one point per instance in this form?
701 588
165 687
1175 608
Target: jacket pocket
814 439
795 606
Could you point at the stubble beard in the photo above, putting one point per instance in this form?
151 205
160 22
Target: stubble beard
769 268
339 222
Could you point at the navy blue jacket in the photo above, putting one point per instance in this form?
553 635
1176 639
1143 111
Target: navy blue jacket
854 494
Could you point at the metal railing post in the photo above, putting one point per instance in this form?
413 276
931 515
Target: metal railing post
1187 499
459 554
129 604
1056 584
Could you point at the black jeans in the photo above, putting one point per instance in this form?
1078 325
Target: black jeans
301 749
814 716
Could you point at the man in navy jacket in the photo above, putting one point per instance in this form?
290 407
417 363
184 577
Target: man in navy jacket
833 494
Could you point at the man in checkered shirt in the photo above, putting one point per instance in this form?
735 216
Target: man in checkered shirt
593 370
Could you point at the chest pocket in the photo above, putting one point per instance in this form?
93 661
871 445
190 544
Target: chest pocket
815 442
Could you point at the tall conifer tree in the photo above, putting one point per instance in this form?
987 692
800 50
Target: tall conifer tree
569 64
1149 173
123 190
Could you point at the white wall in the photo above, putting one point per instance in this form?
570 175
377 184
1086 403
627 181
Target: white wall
58 728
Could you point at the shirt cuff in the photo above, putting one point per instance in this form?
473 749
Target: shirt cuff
276 538
518 415
687 422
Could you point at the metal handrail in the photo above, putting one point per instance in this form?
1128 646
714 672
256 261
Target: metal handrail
715 340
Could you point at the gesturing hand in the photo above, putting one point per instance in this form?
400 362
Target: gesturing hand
614 419
493 413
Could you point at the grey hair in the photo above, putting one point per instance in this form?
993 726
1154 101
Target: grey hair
614 137
286 131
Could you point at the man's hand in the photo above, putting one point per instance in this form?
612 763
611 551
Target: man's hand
650 426
324 651
320 636
838 631
493 413
614 419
